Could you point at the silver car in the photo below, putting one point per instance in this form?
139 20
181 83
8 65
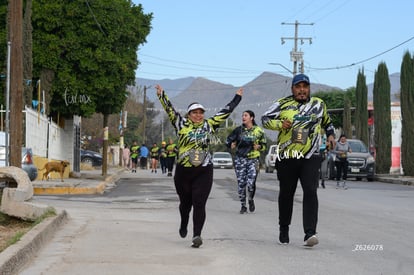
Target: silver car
27 161
222 160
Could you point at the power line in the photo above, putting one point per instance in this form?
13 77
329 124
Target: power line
362 61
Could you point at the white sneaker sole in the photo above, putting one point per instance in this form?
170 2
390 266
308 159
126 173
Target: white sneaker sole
312 241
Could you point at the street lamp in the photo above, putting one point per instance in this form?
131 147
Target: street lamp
283 66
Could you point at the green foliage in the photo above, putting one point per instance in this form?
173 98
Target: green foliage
407 115
382 109
92 49
347 124
361 112
335 100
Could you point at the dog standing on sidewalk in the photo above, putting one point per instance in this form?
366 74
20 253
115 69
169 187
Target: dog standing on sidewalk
54 167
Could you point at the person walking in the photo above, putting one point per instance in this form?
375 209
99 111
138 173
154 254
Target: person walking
248 140
134 156
126 155
155 155
143 156
163 157
172 151
299 119
341 151
193 178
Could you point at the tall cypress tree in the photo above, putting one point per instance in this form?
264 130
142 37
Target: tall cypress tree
346 120
407 115
361 112
382 112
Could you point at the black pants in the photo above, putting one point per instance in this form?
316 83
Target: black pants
289 171
170 163
163 164
143 162
341 169
193 186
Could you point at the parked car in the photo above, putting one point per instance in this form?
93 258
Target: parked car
361 163
222 160
270 159
27 161
91 157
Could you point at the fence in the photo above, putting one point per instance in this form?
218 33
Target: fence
46 138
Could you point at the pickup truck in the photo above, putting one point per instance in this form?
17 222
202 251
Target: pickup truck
270 159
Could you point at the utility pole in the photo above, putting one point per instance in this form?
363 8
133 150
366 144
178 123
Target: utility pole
144 121
295 55
16 82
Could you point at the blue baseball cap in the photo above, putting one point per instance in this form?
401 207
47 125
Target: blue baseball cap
300 78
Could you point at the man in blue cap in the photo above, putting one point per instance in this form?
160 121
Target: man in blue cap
299 119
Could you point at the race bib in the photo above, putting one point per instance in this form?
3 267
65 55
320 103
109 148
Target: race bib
196 157
300 135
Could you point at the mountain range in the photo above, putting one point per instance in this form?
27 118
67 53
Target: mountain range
258 93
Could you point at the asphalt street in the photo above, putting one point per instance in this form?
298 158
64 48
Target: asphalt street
133 229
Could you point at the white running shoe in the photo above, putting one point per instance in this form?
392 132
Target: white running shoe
311 241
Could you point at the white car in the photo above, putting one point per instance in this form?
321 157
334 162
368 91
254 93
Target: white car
222 160
270 159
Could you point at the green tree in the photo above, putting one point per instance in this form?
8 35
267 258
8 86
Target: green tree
86 53
361 111
347 123
407 114
382 110
335 102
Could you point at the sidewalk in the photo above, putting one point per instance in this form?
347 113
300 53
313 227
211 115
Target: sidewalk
395 179
89 182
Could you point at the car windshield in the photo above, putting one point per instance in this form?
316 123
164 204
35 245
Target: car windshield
222 156
357 147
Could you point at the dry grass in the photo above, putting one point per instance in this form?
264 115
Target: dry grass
12 229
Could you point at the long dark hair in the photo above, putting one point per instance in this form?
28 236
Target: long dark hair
251 114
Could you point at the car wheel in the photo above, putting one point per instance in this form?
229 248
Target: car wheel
87 160
370 179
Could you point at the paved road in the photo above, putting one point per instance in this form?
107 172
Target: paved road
133 229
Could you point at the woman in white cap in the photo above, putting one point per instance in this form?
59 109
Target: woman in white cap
193 176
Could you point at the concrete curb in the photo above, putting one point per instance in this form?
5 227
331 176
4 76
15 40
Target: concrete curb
74 189
16 256
402 181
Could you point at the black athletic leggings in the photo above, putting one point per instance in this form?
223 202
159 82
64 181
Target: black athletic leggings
193 186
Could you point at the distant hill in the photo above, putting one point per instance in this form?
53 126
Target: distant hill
175 86
258 93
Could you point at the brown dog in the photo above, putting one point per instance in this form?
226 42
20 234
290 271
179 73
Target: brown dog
54 167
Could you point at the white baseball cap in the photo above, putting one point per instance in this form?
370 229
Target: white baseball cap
195 106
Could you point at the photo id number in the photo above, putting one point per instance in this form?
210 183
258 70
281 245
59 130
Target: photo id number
368 247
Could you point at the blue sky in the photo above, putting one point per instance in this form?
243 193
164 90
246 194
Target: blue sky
233 41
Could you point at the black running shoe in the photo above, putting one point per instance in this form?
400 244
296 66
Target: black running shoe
183 232
284 237
243 210
252 207
197 242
